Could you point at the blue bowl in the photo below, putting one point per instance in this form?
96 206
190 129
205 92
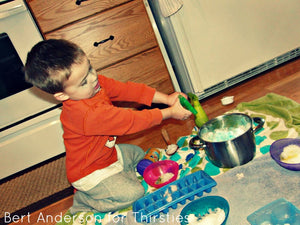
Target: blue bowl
205 205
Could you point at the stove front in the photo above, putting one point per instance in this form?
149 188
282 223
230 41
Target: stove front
30 128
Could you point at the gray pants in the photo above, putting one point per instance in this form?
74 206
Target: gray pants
116 192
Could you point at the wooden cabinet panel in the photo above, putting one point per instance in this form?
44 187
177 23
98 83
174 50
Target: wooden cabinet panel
52 14
128 24
147 67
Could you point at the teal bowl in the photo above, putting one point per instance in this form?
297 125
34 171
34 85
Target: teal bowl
203 206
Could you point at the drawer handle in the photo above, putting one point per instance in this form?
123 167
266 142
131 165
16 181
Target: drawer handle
103 41
78 2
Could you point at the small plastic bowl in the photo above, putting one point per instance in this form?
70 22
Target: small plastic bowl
277 148
203 206
227 100
158 170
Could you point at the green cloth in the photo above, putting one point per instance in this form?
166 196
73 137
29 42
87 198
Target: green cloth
277 106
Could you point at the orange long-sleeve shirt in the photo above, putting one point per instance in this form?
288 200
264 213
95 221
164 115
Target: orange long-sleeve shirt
91 125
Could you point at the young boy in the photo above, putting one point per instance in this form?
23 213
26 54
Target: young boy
102 172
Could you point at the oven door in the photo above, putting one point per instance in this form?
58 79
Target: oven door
16 22
30 127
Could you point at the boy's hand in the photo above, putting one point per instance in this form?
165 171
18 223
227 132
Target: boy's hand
179 112
172 98
169 100
176 111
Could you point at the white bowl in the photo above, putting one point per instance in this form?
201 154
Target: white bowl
227 100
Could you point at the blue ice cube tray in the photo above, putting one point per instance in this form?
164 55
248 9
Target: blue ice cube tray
170 195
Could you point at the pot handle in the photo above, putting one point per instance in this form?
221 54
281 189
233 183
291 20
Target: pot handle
260 123
196 144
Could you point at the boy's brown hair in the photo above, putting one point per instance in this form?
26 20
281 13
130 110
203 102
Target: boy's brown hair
49 63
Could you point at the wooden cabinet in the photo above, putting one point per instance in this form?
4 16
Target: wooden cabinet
128 49
53 14
147 67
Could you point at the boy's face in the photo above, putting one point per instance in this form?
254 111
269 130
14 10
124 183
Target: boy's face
83 81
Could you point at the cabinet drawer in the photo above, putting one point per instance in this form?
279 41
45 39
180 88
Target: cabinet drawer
52 14
147 67
128 24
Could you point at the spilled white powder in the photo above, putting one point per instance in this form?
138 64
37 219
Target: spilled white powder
213 217
240 176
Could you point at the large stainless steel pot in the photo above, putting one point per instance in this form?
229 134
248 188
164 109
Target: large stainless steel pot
228 140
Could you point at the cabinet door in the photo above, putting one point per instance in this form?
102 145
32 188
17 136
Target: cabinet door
128 24
147 67
52 14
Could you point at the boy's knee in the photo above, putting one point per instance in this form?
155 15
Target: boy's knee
141 191
140 152
135 194
132 153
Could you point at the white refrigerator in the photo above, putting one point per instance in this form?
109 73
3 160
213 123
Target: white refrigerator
210 45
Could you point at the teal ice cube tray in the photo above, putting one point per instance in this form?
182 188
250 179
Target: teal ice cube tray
277 212
170 195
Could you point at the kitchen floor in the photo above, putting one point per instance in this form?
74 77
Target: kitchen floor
283 80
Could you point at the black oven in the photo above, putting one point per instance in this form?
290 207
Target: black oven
11 69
